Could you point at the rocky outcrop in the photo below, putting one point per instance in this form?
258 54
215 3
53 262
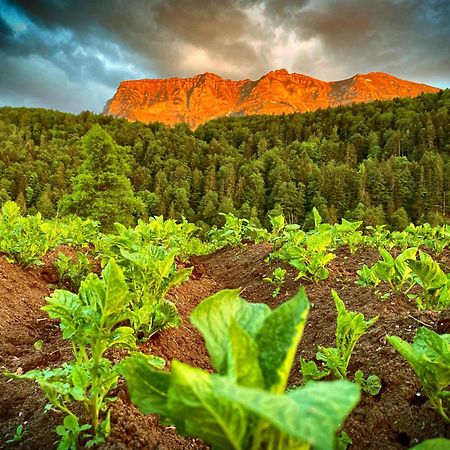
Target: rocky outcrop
207 96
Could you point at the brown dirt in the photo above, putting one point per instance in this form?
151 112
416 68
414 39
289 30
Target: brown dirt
397 418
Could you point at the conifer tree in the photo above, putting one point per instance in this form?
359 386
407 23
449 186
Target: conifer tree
101 190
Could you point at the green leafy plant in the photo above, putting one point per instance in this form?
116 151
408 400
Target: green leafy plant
350 327
433 444
92 322
75 231
72 271
371 385
343 441
244 404
434 282
378 236
346 233
17 437
308 254
24 239
277 279
235 231
429 356
152 272
147 254
396 272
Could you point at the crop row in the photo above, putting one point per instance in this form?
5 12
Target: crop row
244 404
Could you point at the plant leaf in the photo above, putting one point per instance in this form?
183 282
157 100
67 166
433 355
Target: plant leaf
278 338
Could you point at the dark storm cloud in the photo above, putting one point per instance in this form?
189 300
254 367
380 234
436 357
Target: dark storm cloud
87 47
410 38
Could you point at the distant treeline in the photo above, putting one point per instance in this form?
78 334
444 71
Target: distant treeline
380 162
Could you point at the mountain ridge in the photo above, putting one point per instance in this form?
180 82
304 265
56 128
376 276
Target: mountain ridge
206 96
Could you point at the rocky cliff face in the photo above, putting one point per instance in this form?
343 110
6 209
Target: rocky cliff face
207 96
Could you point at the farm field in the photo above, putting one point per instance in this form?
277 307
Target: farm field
398 416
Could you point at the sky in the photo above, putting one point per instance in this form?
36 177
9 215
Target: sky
71 55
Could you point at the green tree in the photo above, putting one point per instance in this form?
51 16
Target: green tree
101 190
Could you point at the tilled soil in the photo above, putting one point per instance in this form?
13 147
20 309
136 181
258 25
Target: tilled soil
397 418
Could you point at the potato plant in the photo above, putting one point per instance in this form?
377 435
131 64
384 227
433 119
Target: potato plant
435 283
92 320
429 356
244 404
24 239
277 279
72 271
350 327
235 231
396 272
150 270
308 254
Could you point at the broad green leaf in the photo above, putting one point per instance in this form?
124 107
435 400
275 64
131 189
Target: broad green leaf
317 217
243 365
117 296
199 411
310 414
213 316
123 337
429 356
278 338
80 376
387 257
428 272
433 444
146 385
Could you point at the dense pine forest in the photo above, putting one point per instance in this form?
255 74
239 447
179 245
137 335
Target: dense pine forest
381 162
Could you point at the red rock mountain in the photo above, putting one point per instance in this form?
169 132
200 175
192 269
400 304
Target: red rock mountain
207 96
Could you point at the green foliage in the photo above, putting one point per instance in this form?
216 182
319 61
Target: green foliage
24 239
433 444
308 252
434 282
76 232
150 270
429 356
277 279
362 162
378 237
147 254
343 441
244 405
92 321
72 271
371 385
350 327
235 231
101 190
346 233
176 238
393 271
152 273
18 436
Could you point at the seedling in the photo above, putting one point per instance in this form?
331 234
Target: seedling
277 279
350 327
429 356
18 436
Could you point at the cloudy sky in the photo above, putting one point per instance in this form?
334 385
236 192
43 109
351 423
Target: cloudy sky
71 54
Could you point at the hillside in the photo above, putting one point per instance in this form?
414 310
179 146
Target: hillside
207 96
380 162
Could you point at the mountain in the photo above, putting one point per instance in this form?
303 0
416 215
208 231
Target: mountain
207 96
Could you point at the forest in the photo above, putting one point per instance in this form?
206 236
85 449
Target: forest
380 162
